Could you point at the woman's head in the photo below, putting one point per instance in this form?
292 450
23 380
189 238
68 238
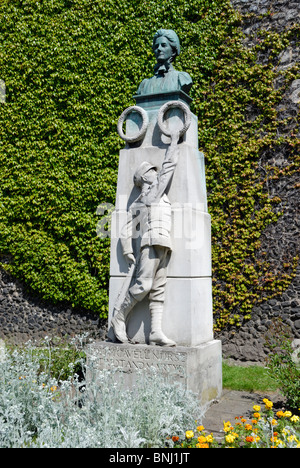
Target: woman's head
166 45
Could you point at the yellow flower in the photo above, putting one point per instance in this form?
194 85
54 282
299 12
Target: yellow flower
256 415
256 408
189 434
295 418
209 438
227 426
274 422
268 403
200 428
287 414
230 438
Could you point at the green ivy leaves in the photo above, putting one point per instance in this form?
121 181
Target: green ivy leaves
71 67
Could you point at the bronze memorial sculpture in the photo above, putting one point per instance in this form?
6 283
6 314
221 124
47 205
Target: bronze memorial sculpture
166 48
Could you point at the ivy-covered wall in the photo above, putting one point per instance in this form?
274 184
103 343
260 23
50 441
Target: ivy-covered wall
71 67
279 242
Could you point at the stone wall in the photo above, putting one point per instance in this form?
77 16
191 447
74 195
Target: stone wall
24 316
280 240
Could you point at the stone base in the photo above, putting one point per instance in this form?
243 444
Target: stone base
198 369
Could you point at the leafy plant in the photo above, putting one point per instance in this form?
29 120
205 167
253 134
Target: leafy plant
266 429
38 410
281 364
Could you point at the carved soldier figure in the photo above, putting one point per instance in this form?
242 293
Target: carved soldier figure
149 217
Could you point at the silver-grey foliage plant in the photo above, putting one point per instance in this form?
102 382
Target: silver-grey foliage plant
37 411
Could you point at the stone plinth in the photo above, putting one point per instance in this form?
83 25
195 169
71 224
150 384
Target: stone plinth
187 315
197 369
187 318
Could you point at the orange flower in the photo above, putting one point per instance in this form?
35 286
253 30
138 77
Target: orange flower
249 439
175 438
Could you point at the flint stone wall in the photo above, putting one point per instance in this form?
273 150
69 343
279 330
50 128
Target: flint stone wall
24 316
280 240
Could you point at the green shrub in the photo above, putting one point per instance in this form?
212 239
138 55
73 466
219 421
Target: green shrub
281 364
38 410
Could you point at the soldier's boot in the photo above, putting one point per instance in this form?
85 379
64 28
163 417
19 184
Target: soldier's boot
118 321
157 337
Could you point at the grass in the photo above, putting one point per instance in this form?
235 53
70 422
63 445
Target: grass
252 378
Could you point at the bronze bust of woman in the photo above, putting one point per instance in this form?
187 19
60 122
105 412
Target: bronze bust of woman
166 48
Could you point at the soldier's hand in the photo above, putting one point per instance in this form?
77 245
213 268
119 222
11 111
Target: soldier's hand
175 137
130 258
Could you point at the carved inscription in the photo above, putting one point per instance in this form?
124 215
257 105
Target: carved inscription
131 359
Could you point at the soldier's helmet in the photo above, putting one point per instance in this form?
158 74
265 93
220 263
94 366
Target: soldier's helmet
141 170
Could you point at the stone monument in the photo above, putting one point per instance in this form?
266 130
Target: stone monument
160 298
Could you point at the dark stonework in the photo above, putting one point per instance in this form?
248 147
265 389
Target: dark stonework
24 317
248 342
